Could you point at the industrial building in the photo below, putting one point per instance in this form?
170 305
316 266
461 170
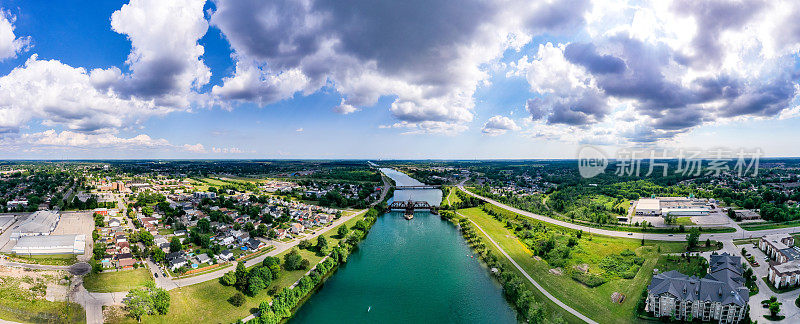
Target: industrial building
42 222
673 206
50 244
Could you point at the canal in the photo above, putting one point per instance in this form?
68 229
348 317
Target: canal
418 271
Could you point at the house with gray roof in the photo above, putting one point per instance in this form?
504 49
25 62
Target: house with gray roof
719 296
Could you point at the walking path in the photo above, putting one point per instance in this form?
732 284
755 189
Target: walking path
538 286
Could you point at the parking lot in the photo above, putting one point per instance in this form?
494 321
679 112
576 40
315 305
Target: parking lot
77 223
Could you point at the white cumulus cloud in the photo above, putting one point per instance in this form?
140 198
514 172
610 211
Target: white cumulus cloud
498 125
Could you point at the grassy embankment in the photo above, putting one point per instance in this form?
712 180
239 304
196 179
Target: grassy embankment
593 302
51 259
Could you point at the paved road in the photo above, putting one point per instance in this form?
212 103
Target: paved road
538 286
740 233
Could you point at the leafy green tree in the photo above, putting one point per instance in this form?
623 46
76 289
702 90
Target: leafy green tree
159 256
274 265
241 275
322 243
161 301
774 309
294 261
693 237
342 231
228 279
146 238
304 244
254 285
138 303
175 244
204 225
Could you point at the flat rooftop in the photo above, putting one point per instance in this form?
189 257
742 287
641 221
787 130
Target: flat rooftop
649 203
43 221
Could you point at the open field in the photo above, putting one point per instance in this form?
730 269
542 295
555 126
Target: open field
205 302
684 221
593 302
116 281
22 298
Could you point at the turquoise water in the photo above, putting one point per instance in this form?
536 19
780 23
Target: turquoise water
417 271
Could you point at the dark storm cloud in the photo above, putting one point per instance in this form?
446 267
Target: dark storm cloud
156 78
420 42
586 108
408 38
714 17
643 78
412 36
767 99
638 71
586 55
560 16
536 108
678 119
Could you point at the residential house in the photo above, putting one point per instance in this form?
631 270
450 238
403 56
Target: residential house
720 296
296 228
225 255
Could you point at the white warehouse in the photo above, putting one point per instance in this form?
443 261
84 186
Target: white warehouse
42 222
50 244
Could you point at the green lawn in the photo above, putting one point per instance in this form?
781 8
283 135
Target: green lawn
592 302
684 221
692 266
116 281
207 302
451 197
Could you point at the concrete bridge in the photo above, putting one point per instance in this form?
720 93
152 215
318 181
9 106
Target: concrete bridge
418 187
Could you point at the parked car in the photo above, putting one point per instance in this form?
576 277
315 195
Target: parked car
156 274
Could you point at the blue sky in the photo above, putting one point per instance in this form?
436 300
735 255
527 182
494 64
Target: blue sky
390 79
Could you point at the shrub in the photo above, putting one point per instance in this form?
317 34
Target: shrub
237 299
588 279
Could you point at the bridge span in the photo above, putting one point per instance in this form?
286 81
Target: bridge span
409 206
418 187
